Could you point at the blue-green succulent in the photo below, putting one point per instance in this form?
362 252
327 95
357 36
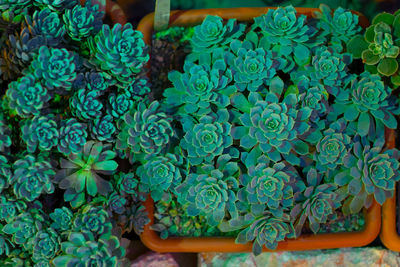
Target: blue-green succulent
56 5
103 129
116 203
10 207
138 89
40 132
127 183
5 174
62 219
97 81
119 105
85 105
5 135
315 98
92 219
46 245
72 136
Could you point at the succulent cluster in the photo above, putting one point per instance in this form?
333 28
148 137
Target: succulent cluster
277 132
66 194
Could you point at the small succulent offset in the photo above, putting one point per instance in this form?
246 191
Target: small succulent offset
85 105
46 245
62 219
72 137
40 132
92 219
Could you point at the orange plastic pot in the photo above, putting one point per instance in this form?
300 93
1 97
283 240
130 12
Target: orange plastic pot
223 244
389 235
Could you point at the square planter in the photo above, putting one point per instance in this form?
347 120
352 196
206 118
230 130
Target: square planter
222 244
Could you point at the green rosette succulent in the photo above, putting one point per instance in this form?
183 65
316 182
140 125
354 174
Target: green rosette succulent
103 129
5 173
208 138
5 245
379 48
333 147
145 130
56 5
14 11
32 177
5 135
134 218
84 249
26 96
340 25
97 81
83 21
23 228
10 207
200 86
40 132
116 203
160 174
317 202
92 219
286 32
86 105
211 191
266 230
138 89
46 245
266 187
81 171
213 33
127 183
368 104
72 137
368 173
315 98
119 105
62 219
54 67
120 51
271 126
48 24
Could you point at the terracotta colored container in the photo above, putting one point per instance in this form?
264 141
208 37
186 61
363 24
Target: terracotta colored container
389 235
222 244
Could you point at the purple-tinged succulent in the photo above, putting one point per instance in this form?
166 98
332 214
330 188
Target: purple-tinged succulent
85 105
73 136
40 132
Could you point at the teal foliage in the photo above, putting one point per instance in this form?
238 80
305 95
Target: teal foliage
40 132
85 105
72 137
103 129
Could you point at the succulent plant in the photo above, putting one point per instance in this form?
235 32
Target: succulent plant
161 173
212 33
272 126
83 21
40 132
10 207
317 202
367 103
54 67
368 173
315 98
200 85
134 218
119 105
208 138
103 129
5 173
126 183
72 137
46 245
27 96
14 11
266 230
32 177
5 245
47 24
62 219
138 89
211 191
86 105
120 52
84 249
92 219
5 135
97 81
116 203
56 5
145 130
266 187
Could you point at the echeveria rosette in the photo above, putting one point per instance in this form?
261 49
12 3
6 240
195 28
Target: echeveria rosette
73 135
340 26
211 192
80 172
10 207
127 183
267 230
62 219
83 21
5 245
316 201
46 245
160 174
287 33
5 174
26 96
315 98
14 11
56 5
103 129
116 203
40 132
86 105
266 187
5 135
208 138
119 105
253 67
48 24
138 89
55 68
368 104
32 177
213 33
134 218
97 81
23 228
120 51
368 173
271 126
85 249
145 130
332 147
92 219
200 86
